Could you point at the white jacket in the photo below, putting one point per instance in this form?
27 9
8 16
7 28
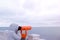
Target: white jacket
9 35
12 32
12 35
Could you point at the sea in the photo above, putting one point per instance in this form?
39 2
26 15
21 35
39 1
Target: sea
47 33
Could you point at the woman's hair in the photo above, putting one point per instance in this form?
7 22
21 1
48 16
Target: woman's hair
19 28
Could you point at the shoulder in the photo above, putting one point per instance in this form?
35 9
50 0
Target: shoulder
9 31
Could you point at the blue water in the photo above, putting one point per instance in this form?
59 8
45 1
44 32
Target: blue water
48 33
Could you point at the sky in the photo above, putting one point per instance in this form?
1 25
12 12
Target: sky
37 13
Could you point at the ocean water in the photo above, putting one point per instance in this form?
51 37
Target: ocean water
48 33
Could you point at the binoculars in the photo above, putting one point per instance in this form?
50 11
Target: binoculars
26 28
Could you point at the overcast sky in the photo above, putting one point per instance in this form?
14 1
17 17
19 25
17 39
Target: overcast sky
37 13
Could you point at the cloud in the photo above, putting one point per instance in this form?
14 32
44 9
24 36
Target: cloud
36 13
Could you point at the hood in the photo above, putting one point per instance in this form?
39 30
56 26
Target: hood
13 27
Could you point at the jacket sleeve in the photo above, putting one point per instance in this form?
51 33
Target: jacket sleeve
15 36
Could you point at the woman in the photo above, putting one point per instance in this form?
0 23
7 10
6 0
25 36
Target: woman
13 32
